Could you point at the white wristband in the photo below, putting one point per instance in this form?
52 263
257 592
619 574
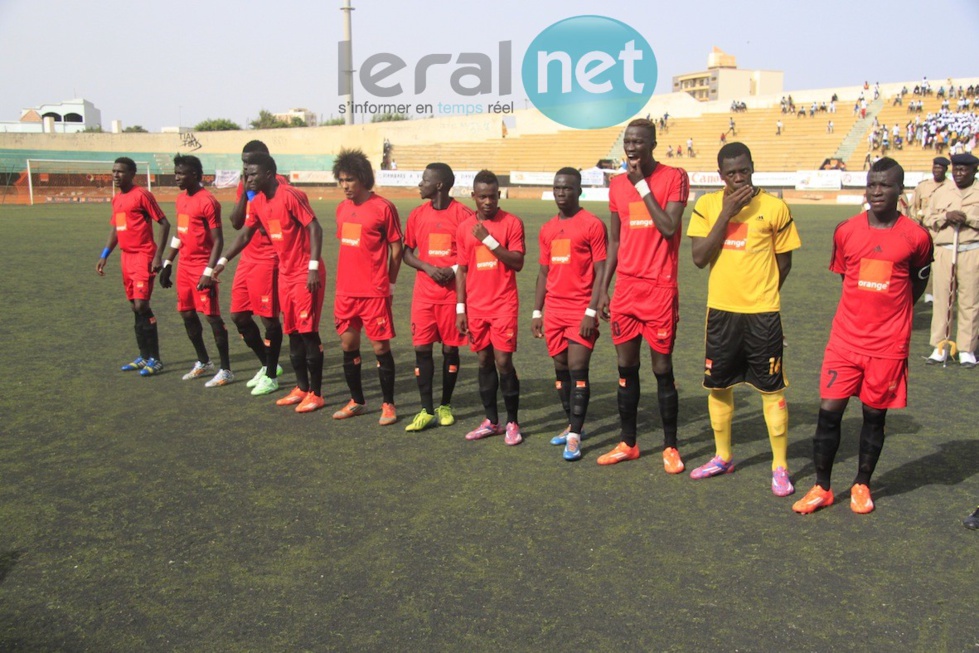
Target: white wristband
642 188
175 242
460 309
536 314
222 261
391 288
314 264
491 242
167 263
591 312
455 269
208 272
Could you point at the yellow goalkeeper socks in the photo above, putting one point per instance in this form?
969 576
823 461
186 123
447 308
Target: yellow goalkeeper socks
777 419
720 405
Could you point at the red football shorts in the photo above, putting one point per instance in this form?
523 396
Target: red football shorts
501 332
880 383
432 323
189 298
373 314
641 307
255 288
301 309
137 275
560 328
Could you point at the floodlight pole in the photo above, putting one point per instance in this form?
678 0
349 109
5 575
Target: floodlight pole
347 63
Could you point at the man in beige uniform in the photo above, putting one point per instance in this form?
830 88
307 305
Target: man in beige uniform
927 188
954 207
919 201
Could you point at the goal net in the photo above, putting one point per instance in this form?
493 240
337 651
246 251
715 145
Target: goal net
64 180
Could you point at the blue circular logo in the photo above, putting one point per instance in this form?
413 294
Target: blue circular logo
589 72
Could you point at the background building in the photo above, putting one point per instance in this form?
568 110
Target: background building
302 113
723 81
66 117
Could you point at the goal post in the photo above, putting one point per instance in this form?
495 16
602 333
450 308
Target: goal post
69 180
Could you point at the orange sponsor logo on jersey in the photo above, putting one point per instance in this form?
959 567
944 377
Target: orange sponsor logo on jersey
875 275
439 244
737 236
183 223
265 300
120 221
303 315
639 217
561 251
350 234
275 230
485 259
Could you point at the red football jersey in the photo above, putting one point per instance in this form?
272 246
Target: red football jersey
364 231
431 233
197 214
875 311
491 287
643 252
285 218
132 212
259 248
570 247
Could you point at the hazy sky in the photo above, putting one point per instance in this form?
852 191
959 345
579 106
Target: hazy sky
156 63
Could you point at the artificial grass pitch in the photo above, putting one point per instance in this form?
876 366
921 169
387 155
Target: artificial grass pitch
144 514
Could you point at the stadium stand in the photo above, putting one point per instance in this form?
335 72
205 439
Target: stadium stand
528 142
912 156
803 145
532 152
